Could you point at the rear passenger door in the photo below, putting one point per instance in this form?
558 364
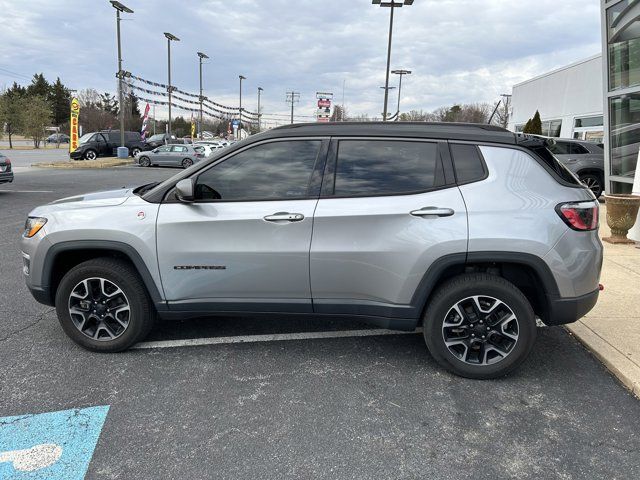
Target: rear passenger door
389 210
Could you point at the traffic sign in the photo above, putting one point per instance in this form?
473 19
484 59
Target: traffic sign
236 123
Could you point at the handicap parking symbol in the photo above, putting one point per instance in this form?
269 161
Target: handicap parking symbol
50 446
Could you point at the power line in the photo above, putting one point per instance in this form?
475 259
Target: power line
293 98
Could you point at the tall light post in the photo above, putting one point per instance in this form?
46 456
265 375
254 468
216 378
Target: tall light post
120 8
392 4
260 90
200 57
241 77
170 37
401 73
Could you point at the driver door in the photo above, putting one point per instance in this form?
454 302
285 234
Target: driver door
243 244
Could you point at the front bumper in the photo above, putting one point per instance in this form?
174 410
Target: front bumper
568 310
6 177
76 155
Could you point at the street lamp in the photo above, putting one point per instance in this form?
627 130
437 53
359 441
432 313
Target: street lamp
240 108
260 90
392 4
401 73
201 56
120 8
170 37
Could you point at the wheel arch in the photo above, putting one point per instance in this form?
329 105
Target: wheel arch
529 273
63 256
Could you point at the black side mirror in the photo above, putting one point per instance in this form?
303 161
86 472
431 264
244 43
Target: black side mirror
185 190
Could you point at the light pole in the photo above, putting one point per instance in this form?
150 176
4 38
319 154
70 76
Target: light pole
392 4
241 77
401 73
120 8
200 57
170 37
260 90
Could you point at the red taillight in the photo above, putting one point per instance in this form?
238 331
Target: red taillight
579 215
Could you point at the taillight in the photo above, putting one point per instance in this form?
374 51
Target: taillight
581 216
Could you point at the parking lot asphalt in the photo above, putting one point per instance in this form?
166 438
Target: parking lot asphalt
350 407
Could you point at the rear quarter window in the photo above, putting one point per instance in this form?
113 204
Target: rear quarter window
468 163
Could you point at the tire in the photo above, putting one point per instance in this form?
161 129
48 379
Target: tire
594 182
90 155
135 151
497 299
144 161
87 329
187 162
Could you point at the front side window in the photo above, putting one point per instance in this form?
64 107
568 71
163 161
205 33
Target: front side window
383 167
272 171
164 148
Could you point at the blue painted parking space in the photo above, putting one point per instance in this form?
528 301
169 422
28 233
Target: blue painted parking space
48 446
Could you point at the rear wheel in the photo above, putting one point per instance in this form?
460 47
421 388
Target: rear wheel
594 182
187 162
103 306
479 326
145 162
135 151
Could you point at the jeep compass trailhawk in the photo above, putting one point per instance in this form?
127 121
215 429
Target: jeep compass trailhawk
469 231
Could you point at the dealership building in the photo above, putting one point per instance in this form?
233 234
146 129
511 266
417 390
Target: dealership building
596 99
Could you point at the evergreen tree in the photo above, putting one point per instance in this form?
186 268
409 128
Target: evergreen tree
108 103
536 124
60 101
11 110
527 127
39 86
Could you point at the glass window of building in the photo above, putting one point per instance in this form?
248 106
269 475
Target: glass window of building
623 32
624 121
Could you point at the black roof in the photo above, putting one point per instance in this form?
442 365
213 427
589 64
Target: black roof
445 131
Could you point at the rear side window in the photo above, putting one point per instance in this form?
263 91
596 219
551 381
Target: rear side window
560 148
577 149
468 163
386 167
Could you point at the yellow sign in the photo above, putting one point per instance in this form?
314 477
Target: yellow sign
75 113
193 130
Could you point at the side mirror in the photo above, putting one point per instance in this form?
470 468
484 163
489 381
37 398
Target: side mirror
185 190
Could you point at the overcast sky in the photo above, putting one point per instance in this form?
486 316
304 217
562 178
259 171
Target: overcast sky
459 50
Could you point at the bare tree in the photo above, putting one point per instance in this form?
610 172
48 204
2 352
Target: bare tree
89 97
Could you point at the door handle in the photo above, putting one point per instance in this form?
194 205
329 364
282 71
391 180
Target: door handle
284 217
437 211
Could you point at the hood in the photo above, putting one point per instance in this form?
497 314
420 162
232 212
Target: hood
108 198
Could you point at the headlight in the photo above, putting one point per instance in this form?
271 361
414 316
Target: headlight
33 226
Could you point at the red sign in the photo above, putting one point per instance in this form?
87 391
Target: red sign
324 103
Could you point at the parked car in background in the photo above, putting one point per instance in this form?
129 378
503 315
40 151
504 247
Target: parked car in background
104 144
6 174
584 159
172 155
154 141
57 138
208 148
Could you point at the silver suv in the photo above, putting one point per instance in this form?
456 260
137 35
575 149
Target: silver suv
466 230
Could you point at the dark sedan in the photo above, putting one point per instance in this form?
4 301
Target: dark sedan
6 175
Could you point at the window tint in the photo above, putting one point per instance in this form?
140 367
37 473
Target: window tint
273 171
560 148
377 167
577 149
468 163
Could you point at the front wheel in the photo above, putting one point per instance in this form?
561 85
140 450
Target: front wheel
145 162
135 151
187 162
90 155
479 326
103 306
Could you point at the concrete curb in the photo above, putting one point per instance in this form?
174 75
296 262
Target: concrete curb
623 368
99 163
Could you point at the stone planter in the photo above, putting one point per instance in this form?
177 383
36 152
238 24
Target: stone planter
622 211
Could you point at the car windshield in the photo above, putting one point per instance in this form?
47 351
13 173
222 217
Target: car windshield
155 138
85 138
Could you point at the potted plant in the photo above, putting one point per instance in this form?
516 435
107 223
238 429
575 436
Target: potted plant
622 210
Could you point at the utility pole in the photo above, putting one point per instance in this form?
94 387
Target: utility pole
241 77
401 73
170 37
293 98
120 8
260 90
200 57
342 112
392 4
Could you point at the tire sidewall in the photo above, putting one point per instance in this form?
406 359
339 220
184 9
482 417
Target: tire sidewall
596 177
89 153
132 292
145 162
187 162
448 296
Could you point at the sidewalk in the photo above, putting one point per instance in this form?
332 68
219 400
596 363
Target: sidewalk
611 331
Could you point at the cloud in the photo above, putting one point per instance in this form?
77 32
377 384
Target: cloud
458 50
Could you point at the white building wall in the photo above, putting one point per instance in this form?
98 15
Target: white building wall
569 92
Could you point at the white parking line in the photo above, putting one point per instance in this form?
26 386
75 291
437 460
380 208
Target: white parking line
276 337
28 191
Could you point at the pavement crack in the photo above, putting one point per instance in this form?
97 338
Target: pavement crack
38 319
